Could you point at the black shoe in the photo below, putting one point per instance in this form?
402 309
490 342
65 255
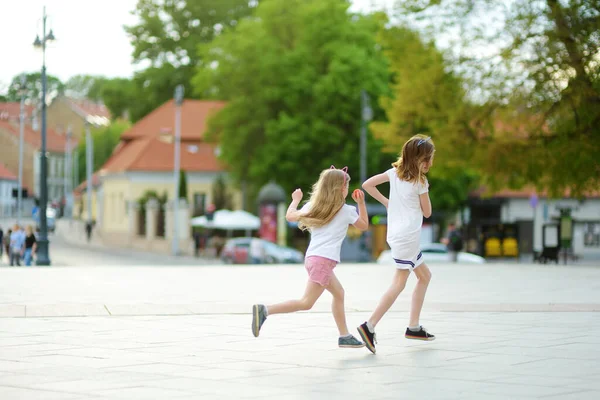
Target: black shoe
421 334
368 337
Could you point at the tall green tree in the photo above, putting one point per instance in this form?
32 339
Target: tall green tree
120 95
292 77
540 121
183 188
167 36
33 87
105 141
221 197
426 98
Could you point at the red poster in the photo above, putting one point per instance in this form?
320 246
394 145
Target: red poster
268 222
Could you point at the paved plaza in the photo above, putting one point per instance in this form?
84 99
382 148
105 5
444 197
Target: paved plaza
504 331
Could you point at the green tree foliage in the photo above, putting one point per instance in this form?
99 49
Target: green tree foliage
167 36
120 95
221 198
292 77
426 99
183 189
33 88
540 121
105 140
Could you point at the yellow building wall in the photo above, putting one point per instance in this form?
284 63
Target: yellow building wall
81 206
61 116
118 192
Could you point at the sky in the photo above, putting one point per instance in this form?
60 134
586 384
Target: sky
90 37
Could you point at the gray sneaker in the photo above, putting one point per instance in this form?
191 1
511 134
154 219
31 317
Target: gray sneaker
350 342
259 316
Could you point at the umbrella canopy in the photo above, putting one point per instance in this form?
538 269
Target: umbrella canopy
229 221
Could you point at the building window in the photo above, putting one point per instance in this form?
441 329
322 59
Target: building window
199 203
591 234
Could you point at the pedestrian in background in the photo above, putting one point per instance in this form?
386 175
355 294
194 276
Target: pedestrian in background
17 246
30 245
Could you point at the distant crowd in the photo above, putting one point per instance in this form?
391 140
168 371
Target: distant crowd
18 245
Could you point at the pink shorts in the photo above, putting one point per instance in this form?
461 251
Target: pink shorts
320 269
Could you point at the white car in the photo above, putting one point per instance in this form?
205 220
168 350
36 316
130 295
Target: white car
435 253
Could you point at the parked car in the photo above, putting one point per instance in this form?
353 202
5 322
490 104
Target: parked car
435 253
236 251
50 219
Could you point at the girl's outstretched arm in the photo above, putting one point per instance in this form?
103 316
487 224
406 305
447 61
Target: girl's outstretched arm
363 217
293 213
370 186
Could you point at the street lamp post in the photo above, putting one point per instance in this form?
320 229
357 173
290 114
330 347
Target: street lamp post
21 133
366 116
43 257
67 172
176 166
89 161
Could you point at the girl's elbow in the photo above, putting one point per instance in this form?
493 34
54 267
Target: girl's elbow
427 214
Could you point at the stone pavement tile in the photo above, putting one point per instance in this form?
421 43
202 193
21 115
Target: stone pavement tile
12 310
15 365
223 374
18 393
65 310
160 368
142 392
560 368
85 386
147 309
576 395
27 379
539 380
451 386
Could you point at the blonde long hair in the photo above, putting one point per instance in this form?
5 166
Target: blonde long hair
326 199
417 150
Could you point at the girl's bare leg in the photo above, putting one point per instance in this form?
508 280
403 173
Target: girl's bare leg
424 277
337 305
306 302
397 286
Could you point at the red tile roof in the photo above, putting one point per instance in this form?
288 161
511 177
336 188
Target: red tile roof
82 188
148 145
156 154
54 142
6 174
194 114
13 110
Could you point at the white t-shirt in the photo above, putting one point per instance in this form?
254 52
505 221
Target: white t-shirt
326 241
405 216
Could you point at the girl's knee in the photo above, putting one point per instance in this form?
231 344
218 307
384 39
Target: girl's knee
306 304
425 276
399 286
339 294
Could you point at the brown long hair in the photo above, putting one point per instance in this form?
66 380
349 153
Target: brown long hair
326 199
417 150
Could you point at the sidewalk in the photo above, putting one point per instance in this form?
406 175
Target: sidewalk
178 332
65 237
